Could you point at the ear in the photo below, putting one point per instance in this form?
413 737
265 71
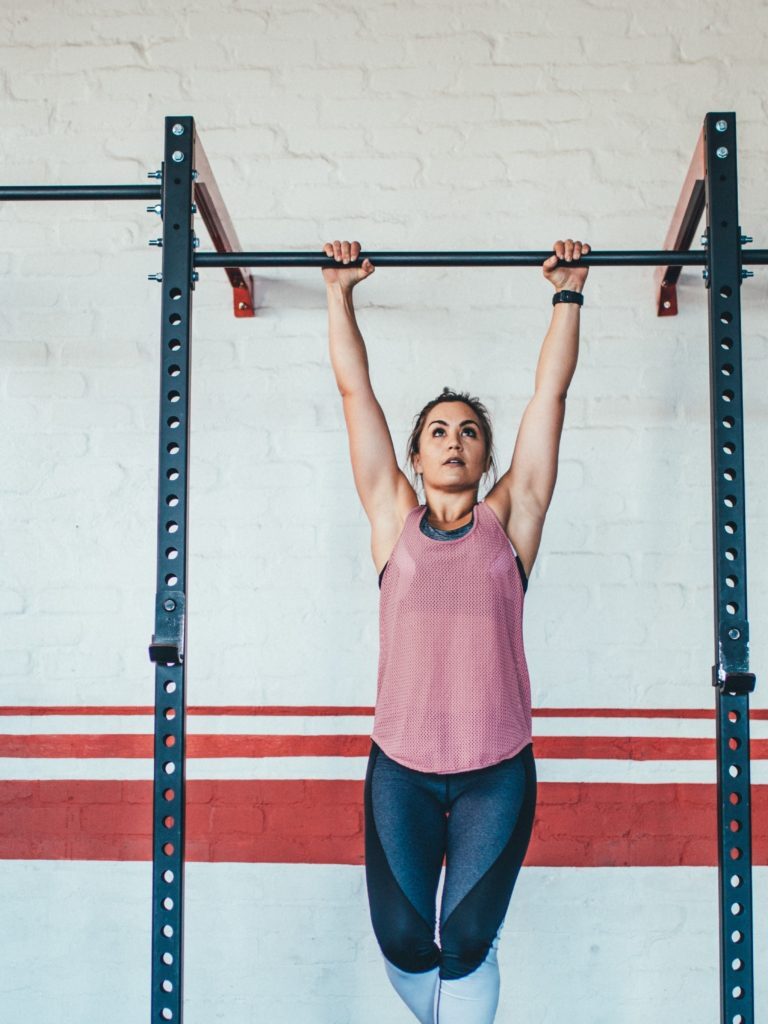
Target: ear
416 463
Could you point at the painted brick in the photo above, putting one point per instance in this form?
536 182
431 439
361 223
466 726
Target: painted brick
411 81
34 86
122 820
201 51
461 49
494 125
52 383
79 58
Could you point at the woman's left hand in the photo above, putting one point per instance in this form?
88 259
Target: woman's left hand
570 278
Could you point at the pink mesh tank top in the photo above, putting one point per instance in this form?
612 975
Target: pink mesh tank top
453 690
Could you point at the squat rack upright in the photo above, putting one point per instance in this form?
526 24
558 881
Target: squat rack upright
186 186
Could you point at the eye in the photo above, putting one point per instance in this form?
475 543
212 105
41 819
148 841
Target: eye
472 431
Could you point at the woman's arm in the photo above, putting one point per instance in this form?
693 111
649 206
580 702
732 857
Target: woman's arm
559 350
523 494
347 348
533 470
378 478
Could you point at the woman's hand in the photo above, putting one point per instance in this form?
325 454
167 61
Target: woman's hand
570 278
344 252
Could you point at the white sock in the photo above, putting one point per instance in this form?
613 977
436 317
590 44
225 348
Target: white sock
416 990
472 999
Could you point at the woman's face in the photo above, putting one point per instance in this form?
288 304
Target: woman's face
452 430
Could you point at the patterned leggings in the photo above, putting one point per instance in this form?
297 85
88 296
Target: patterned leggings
481 822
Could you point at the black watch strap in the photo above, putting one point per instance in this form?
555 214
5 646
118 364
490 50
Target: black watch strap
566 296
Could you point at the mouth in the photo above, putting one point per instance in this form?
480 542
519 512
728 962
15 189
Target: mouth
453 462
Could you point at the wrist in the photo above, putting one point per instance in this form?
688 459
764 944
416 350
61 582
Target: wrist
568 297
338 290
570 286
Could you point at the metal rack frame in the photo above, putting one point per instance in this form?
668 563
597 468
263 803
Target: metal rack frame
187 186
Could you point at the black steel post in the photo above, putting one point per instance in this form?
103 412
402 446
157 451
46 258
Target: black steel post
169 639
730 673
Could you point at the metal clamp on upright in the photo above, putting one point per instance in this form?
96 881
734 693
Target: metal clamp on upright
733 682
733 652
167 645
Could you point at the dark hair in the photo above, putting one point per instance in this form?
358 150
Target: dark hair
448 395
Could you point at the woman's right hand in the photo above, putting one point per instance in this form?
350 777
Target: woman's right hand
344 252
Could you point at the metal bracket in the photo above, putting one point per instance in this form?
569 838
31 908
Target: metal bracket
733 682
167 646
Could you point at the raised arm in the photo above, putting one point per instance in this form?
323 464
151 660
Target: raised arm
378 478
528 485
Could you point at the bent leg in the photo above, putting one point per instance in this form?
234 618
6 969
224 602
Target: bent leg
473 998
405 834
489 829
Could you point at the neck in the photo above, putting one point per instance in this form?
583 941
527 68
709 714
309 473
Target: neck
436 520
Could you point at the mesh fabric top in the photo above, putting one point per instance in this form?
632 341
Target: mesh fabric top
453 691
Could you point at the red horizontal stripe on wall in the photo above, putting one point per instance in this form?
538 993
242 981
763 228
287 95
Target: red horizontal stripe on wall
312 710
121 745
759 714
75 709
321 822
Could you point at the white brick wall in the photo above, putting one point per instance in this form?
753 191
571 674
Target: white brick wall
606 944
490 124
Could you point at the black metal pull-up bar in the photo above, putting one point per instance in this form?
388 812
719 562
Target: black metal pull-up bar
37 192
422 258
469 258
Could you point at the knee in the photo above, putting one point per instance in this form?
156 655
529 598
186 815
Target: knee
463 954
410 951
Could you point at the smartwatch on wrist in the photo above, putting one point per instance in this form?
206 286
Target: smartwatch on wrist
566 296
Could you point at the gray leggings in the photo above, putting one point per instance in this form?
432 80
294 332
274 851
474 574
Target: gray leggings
481 822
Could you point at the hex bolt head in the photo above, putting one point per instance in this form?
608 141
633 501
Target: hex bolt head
177 156
154 277
195 241
746 239
195 276
721 152
705 273
169 604
178 129
705 239
193 208
721 125
154 174
195 175
156 241
734 634
747 273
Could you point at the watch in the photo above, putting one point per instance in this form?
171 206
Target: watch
566 296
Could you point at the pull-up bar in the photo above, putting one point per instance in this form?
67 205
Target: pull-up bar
36 192
504 258
228 253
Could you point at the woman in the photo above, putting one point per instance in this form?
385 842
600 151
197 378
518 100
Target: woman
451 772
